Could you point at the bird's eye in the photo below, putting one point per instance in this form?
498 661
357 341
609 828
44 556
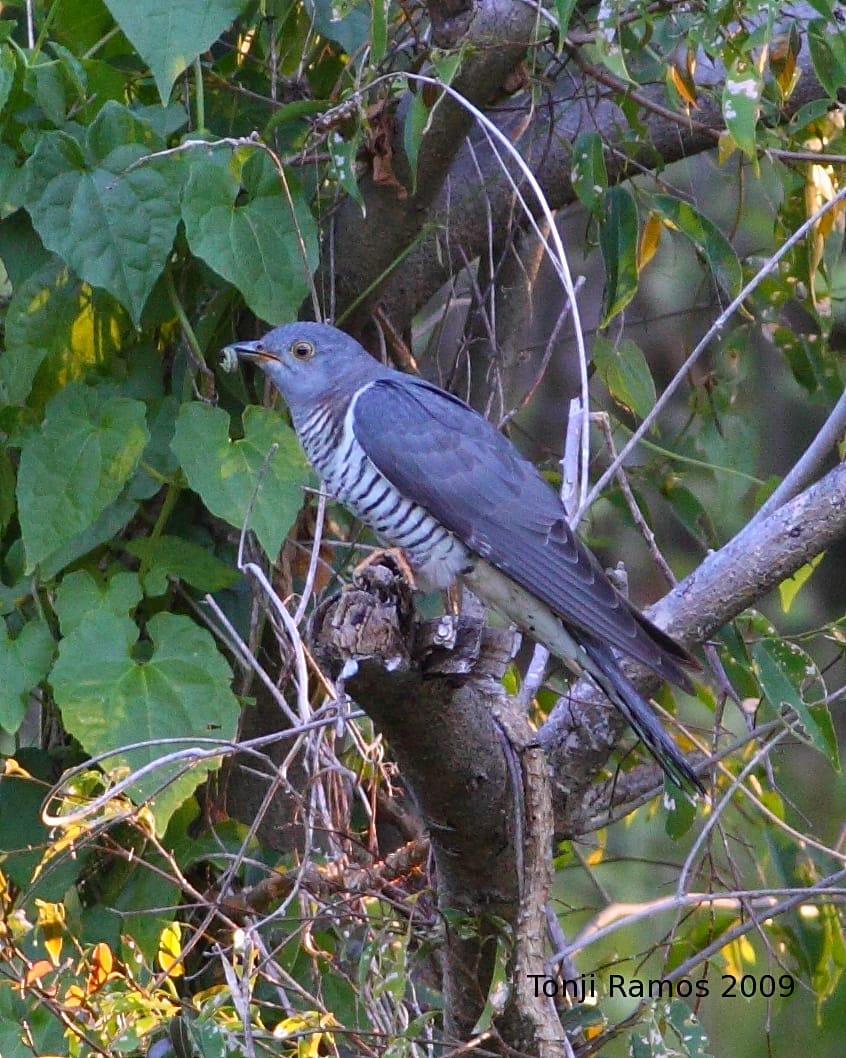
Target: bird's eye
302 350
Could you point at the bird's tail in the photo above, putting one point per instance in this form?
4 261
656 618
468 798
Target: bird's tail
624 695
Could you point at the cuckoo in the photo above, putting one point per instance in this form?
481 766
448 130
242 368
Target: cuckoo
433 477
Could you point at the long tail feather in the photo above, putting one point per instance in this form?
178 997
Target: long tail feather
624 695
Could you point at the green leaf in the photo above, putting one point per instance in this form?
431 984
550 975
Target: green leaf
230 475
589 174
416 121
681 811
742 104
57 330
24 662
346 22
689 1033
564 12
607 47
7 490
44 84
782 670
75 466
171 556
103 529
7 73
618 243
624 370
110 699
828 54
717 251
255 245
791 586
831 963
113 224
169 36
672 1029
80 596
23 837
378 30
343 154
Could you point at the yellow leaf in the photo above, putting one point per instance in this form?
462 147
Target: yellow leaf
783 63
650 237
100 966
170 950
74 997
790 588
683 84
51 920
38 970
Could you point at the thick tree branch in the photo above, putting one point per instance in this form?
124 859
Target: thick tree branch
494 35
476 201
477 776
473 765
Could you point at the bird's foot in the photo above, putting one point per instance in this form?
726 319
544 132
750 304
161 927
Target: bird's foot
392 557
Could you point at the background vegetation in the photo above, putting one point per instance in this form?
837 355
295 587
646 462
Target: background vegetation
206 848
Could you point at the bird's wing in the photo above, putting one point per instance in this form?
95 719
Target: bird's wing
445 457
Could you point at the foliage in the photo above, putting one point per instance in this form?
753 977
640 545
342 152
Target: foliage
165 173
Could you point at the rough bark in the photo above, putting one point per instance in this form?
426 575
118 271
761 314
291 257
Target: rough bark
476 773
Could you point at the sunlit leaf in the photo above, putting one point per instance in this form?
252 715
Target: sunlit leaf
51 923
100 964
170 950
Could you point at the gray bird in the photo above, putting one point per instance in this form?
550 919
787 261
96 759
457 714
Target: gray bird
430 475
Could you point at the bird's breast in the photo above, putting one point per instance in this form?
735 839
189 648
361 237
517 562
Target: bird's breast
351 477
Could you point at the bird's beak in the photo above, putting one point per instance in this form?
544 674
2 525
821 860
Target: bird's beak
252 351
244 350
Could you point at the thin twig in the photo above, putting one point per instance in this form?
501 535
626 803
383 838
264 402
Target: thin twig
705 341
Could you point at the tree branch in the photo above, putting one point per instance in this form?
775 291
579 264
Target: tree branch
494 35
476 202
582 730
479 781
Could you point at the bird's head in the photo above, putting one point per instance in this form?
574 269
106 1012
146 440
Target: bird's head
305 360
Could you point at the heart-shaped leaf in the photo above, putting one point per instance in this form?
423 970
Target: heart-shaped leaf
110 699
232 475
